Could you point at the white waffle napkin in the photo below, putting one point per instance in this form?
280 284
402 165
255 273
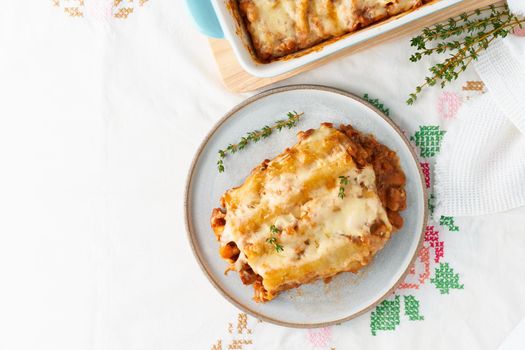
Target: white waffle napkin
481 168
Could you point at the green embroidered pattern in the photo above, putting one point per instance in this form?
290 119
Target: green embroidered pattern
448 221
412 308
428 139
445 279
431 205
375 102
386 316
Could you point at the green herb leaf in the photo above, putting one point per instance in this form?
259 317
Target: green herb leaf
257 135
464 37
273 240
220 165
343 181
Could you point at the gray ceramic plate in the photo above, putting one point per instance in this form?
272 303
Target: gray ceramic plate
317 304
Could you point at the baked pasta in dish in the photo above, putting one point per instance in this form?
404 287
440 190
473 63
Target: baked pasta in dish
281 27
324 206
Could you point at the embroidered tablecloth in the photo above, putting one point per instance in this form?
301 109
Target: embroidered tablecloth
103 104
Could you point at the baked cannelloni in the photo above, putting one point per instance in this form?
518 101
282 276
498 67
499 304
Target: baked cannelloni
324 206
281 27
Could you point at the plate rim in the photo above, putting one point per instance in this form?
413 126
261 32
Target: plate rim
189 182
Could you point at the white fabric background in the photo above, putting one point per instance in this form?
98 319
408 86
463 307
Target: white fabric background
99 120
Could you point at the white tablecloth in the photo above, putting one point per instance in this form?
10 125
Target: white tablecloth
101 110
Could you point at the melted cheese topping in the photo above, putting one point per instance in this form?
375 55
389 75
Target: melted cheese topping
280 27
298 192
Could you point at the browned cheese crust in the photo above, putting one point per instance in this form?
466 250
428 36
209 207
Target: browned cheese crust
281 27
321 232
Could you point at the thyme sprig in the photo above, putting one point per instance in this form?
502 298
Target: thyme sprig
273 240
257 135
464 37
343 181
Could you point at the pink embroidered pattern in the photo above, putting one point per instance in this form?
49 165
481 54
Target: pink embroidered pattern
448 105
425 168
432 237
419 273
321 337
519 32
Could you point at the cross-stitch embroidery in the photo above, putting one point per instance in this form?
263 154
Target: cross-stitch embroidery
375 102
445 279
321 337
386 316
473 86
428 139
119 9
448 105
412 308
217 346
425 168
432 238
240 338
419 272
431 205
448 221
